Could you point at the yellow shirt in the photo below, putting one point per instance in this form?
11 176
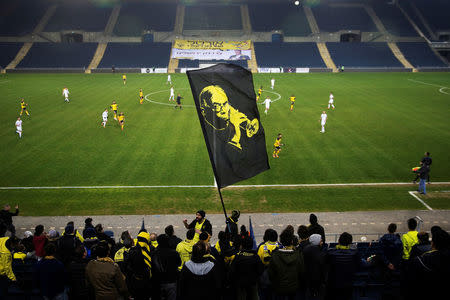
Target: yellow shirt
409 239
292 99
259 91
198 226
141 94
23 105
124 77
265 251
121 118
114 106
277 143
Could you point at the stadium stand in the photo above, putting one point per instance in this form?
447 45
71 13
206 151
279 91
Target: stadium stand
134 18
271 55
78 17
279 16
195 63
393 19
436 13
335 18
420 55
212 17
8 51
136 55
59 55
363 55
18 18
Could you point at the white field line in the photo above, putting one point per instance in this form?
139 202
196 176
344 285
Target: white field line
4 81
441 90
207 186
413 193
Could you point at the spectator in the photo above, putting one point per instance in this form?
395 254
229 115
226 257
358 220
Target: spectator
102 236
138 268
391 248
87 225
315 268
409 239
90 240
104 275
184 248
77 274
200 224
27 241
431 270
6 218
67 244
303 236
199 275
232 224
125 244
75 231
173 239
165 262
39 241
286 267
50 275
245 270
265 252
153 241
315 227
224 247
422 246
7 244
343 262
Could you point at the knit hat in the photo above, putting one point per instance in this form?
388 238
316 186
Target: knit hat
52 234
201 213
27 234
235 214
315 239
144 237
88 221
68 230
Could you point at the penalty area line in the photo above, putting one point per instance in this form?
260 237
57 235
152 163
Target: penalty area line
413 193
209 186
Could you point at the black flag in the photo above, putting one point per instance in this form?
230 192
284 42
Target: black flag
226 105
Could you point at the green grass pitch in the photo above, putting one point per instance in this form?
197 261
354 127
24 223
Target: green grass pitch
382 125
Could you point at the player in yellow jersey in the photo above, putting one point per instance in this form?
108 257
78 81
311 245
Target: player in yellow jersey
124 78
114 109
259 93
121 120
141 96
23 107
277 146
292 98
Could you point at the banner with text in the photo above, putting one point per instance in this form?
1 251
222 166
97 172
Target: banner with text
212 50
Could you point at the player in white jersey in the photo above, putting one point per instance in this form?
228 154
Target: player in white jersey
172 94
331 101
105 117
65 93
19 127
323 121
169 79
272 83
267 103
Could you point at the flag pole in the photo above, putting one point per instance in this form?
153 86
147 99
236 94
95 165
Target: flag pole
224 210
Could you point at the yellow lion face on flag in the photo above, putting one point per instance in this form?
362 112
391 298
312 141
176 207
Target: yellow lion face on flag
219 114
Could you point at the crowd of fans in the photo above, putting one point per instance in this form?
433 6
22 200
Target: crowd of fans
92 265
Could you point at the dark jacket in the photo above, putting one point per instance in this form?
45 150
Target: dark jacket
426 160
165 262
198 279
174 241
6 216
315 268
76 270
286 270
419 249
317 229
423 171
66 245
342 264
50 277
391 249
246 269
206 227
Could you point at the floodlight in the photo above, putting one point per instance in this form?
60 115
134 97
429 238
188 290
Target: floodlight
296 2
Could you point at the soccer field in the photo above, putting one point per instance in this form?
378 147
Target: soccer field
382 125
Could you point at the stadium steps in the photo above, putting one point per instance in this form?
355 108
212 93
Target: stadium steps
424 21
97 56
311 20
173 64
43 22
375 19
414 25
112 20
252 63
399 55
326 56
245 16
20 55
179 19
